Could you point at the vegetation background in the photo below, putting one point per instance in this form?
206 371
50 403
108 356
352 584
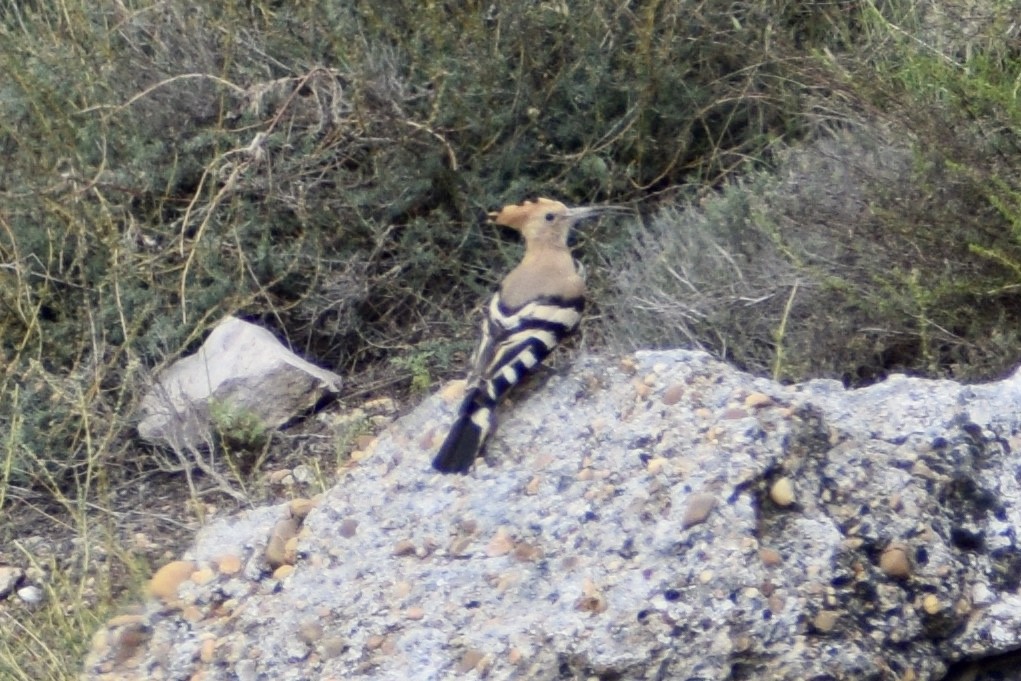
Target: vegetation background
820 189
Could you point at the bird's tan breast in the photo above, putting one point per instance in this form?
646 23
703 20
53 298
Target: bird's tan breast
548 275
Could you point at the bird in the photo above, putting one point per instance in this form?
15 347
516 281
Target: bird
537 305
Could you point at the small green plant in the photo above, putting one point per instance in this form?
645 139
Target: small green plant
241 434
417 364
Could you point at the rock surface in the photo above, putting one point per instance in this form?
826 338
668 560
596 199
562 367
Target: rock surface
244 369
658 517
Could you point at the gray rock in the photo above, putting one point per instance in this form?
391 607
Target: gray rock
10 578
244 369
30 594
574 554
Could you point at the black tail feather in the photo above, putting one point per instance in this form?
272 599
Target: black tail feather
460 448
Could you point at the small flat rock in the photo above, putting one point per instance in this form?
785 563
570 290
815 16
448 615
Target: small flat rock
241 365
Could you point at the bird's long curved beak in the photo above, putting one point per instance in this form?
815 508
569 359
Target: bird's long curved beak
583 212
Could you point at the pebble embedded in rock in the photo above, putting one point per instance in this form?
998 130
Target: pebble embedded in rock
532 488
981 595
228 564
825 620
125 620
655 465
165 582
276 547
526 552
641 388
310 632
595 604
782 492
246 670
405 547
130 639
470 661
192 613
501 544
770 557
207 651
332 646
894 562
673 394
628 365
758 401
203 575
459 546
300 507
291 551
699 507
931 604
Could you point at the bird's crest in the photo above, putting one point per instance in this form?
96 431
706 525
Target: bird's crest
517 214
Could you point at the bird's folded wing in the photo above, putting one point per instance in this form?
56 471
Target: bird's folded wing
515 340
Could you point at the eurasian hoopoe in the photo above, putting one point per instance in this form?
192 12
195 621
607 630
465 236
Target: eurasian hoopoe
537 305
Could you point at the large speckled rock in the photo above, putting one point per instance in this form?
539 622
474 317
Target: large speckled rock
658 517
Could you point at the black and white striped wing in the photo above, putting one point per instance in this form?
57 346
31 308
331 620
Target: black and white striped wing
516 341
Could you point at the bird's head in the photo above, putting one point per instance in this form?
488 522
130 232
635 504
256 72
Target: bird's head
543 220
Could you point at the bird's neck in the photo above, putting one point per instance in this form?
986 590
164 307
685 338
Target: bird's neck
546 246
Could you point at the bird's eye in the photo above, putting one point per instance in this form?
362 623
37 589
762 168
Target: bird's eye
550 217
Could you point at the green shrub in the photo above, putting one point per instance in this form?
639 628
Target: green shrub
890 243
